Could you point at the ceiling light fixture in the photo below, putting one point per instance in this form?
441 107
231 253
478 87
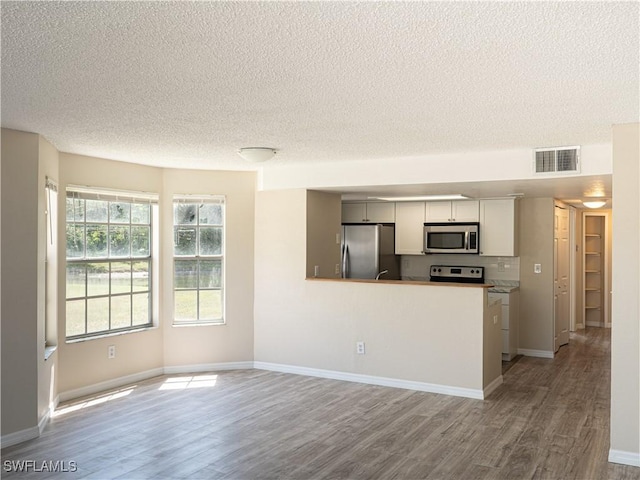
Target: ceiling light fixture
257 154
419 198
594 203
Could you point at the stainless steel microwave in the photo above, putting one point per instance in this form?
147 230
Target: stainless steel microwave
452 238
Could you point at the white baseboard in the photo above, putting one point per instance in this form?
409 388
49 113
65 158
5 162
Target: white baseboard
492 386
535 353
30 433
372 380
595 324
43 421
109 384
207 367
624 458
48 414
138 377
19 436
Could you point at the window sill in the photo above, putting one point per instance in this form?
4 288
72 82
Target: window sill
114 334
48 351
199 324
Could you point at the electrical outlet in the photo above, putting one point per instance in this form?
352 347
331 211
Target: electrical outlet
360 348
337 270
316 271
337 239
501 266
495 319
537 268
111 351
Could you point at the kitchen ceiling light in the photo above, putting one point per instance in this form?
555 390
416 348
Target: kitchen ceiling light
595 203
418 198
257 154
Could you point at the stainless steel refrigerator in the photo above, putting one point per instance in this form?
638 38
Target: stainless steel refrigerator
369 250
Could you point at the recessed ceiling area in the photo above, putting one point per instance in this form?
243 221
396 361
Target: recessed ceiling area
569 189
186 84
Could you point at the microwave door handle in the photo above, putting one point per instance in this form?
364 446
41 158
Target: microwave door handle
466 240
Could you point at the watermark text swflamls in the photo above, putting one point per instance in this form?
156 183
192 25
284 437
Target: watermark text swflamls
24 466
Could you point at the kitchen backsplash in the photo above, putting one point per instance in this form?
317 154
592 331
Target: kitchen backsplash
416 267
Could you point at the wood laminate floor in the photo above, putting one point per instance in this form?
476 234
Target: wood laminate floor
549 420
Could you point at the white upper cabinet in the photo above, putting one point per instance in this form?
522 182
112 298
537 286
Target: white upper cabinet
368 212
499 228
379 212
354 212
409 228
438 212
455 211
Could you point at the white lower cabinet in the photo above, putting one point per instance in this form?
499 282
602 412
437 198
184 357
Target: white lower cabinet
510 313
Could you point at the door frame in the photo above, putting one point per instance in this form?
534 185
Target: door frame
573 302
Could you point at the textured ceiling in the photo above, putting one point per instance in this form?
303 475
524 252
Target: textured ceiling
188 83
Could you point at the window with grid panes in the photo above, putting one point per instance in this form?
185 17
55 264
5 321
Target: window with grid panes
109 261
198 267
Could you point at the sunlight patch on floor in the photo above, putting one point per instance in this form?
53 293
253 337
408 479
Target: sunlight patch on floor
181 383
94 401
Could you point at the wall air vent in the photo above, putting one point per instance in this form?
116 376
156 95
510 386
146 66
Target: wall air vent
557 160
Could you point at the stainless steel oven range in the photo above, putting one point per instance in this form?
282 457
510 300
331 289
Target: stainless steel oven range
456 274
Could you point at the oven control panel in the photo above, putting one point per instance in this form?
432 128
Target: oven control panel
451 273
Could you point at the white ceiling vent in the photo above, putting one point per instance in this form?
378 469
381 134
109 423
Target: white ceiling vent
557 160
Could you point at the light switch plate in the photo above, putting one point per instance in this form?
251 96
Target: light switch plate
537 268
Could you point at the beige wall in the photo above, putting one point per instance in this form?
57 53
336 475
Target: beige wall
625 334
85 363
536 289
20 286
232 342
324 214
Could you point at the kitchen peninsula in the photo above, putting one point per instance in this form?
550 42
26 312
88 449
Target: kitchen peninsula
436 337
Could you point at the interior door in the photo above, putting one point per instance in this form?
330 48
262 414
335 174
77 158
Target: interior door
561 277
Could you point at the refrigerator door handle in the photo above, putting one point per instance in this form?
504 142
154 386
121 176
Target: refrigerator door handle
345 261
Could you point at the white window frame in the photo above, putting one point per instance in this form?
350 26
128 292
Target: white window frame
199 257
108 195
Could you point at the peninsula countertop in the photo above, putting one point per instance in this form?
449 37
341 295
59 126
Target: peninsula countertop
403 282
